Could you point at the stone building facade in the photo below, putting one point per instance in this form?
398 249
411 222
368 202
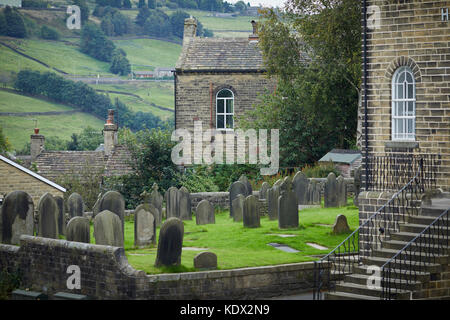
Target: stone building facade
217 80
15 177
408 81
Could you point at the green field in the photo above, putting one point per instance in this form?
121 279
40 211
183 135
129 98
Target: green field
238 247
12 62
12 102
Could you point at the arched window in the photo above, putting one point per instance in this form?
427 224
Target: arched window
224 109
403 105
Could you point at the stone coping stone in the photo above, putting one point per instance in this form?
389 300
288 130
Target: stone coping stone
69 296
19 294
283 247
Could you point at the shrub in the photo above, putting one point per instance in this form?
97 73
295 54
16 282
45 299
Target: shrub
320 170
49 33
8 282
198 181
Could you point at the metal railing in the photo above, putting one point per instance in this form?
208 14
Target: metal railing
400 273
368 236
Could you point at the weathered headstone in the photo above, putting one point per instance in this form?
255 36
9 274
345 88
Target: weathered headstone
287 210
48 217
300 186
184 204
330 191
341 191
315 192
96 207
113 201
156 199
61 217
286 185
170 243
205 261
75 205
357 178
341 225
204 214
263 191
238 207
145 225
108 229
235 189
78 230
171 198
243 178
272 202
278 182
251 217
16 217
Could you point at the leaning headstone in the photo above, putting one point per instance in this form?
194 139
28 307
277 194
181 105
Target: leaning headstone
78 230
235 189
16 217
263 191
113 201
205 261
156 199
287 210
330 191
341 225
61 217
204 214
48 217
357 175
341 191
238 207
171 198
144 225
108 229
246 182
170 243
251 212
272 202
300 185
75 205
184 204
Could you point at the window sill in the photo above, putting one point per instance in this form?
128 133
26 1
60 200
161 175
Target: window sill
401 144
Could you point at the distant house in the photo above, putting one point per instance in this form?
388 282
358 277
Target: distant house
15 177
143 74
345 160
161 72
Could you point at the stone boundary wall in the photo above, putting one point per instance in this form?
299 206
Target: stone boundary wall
217 199
106 274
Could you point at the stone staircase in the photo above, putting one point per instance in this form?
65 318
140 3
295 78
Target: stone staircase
355 285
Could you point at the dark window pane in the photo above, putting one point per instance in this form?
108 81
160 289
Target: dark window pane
230 122
225 93
229 106
220 122
220 103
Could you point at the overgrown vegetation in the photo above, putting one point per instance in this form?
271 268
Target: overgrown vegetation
9 281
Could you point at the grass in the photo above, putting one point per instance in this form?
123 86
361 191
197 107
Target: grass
12 102
238 247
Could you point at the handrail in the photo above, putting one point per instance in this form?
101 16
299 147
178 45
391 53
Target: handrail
384 229
433 241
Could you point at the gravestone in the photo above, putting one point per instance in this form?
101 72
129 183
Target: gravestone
301 187
330 191
247 184
263 191
170 243
113 201
75 205
145 225
108 229
236 188
48 217
288 210
205 261
315 192
272 202
96 207
204 214
278 182
286 185
16 217
156 199
341 191
251 212
78 230
238 208
171 198
61 217
341 225
357 175
184 204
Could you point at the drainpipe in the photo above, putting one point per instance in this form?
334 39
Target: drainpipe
211 105
175 95
366 135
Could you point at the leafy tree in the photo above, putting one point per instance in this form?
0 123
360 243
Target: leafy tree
107 26
3 27
84 9
177 22
158 24
142 16
240 6
126 4
95 43
5 145
120 64
116 3
49 33
141 4
15 26
151 4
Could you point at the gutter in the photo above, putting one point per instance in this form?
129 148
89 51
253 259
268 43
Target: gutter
181 71
366 135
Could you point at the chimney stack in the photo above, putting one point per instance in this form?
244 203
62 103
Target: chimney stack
110 133
254 36
190 29
36 145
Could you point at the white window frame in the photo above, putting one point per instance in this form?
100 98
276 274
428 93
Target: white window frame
224 113
407 118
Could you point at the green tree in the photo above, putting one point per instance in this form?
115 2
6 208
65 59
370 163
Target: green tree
15 26
84 9
141 4
5 145
151 4
95 43
177 22
120 64
3 26
142 15
49 33
126 4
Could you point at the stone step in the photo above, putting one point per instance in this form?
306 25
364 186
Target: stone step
425 220
434 210
410 265
417 276
347 296
408 236
398 245
417 254
364 290
438 228
363 279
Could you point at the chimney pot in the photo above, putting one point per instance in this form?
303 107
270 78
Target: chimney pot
190 28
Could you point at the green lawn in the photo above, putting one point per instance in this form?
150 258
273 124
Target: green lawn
13 62
12 102
237 247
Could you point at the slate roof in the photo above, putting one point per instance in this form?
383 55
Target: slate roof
211 54
342 156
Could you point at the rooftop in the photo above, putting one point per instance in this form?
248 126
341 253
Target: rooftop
342 156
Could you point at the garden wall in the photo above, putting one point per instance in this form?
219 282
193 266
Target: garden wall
106 274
